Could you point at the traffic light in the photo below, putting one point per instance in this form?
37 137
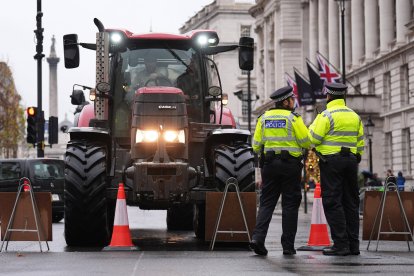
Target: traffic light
53 130
31 125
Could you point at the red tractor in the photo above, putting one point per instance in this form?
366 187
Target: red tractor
157 124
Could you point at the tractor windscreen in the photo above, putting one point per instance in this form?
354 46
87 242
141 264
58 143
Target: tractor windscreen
138 68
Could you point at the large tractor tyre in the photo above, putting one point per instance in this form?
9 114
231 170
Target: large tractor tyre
86 217
235 161
199 221
180 218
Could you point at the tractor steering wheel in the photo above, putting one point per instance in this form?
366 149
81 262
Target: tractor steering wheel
159 81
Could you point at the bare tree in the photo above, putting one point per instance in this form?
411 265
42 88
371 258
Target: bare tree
12 119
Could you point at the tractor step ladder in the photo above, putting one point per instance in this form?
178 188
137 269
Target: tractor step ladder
230 182
24 181
390 186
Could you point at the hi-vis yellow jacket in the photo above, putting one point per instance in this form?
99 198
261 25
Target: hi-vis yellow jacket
281 129
338 126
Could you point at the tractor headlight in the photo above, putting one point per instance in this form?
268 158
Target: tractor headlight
174 136
146 136
151 136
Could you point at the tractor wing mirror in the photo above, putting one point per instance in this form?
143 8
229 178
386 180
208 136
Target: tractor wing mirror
71 50
77 97
246 53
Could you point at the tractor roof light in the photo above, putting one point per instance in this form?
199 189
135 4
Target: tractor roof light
116 38
206 39
202 40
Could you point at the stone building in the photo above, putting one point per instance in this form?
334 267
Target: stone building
379 61
231 20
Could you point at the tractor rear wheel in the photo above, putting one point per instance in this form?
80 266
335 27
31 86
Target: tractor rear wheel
230 161
180 218
86 222
235 161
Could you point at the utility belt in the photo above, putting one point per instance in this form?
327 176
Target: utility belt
345 152
283 155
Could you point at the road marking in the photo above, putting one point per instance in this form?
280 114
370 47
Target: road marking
136 264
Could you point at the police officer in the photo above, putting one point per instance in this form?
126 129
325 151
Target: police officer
338 134
282 134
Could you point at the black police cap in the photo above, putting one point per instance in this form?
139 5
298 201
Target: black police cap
282 94
337 89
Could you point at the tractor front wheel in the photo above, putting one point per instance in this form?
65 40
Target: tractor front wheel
86 218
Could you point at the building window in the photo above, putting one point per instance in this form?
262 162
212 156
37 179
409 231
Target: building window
388 149
406 150
357 89
404 84
371 87
245 30
386 95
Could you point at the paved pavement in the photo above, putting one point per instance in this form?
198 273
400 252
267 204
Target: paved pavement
179 253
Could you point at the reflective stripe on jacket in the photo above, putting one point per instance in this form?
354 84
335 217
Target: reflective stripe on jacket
280 129
338 126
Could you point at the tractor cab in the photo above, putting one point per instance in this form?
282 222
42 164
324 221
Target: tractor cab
151 69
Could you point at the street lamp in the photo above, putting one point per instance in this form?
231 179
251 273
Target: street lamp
370 130
341 4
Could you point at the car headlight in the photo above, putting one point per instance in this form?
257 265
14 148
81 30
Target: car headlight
174 136
146 136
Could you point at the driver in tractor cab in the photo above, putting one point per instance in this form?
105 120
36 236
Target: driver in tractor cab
189 83
151 75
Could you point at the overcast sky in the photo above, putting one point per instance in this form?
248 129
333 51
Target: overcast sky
17 39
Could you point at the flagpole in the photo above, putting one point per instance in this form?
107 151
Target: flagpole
343 40
341 4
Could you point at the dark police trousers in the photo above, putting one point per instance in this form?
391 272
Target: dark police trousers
280 177
340 199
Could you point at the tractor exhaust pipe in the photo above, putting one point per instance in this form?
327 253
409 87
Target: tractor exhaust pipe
99 24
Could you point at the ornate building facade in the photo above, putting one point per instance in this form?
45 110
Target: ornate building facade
379 61
231 20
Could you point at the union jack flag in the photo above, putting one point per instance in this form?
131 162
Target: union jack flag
327 71
292 83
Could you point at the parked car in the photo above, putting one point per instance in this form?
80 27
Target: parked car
46 175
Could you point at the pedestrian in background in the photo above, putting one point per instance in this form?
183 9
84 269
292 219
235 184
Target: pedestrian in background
338 135
400 181
283 135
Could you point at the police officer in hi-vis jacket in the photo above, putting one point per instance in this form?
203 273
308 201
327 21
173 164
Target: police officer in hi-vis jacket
338 135
283 135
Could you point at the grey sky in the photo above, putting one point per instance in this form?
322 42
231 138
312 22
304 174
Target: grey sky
17 39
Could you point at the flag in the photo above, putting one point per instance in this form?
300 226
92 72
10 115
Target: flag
327 72
292 83
304 88
315 81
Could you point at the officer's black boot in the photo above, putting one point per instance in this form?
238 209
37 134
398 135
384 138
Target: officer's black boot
258 248
335 251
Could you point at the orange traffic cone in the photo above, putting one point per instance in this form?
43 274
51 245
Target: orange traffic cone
318 237
121 236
